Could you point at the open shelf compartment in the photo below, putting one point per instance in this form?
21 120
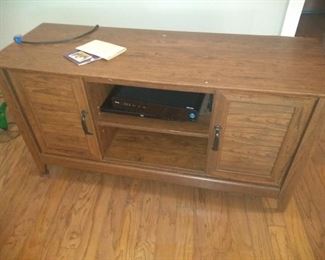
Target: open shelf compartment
156 150
98 92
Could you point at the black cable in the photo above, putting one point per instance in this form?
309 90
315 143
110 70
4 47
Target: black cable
19 39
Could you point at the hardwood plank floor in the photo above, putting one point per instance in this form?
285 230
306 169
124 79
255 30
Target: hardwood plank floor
73 215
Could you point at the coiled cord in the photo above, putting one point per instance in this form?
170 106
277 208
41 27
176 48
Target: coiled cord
19 38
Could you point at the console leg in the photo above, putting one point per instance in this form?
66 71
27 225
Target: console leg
45 171
283 202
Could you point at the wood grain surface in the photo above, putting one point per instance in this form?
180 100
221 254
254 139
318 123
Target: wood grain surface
199 128
145 148
264 123
207 61
24 127
259 136
52 106
69 215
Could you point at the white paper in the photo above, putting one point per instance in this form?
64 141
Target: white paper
102 49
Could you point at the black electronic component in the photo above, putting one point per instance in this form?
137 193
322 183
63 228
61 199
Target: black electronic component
154 103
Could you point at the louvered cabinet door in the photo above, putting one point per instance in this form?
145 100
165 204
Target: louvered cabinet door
254 136
56 109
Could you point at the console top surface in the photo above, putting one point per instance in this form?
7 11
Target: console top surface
205 61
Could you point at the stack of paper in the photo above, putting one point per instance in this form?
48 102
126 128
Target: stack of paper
94 50
102 49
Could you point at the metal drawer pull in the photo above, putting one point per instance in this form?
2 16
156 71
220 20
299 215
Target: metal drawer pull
217 134
84 122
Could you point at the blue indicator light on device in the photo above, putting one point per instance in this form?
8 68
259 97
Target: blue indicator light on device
192 115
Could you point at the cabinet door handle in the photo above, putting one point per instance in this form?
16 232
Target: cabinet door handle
83 115
217 134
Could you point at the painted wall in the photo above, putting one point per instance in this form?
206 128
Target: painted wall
226 16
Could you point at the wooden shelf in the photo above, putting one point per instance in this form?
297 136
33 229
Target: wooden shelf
158 150
200 128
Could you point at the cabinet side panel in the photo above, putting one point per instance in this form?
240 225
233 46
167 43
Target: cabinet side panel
24 128
304 152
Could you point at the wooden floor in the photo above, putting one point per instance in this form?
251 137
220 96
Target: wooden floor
69 215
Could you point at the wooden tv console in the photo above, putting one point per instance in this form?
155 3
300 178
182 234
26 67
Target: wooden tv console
268 106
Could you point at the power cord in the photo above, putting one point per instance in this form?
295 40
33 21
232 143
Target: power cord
19 38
